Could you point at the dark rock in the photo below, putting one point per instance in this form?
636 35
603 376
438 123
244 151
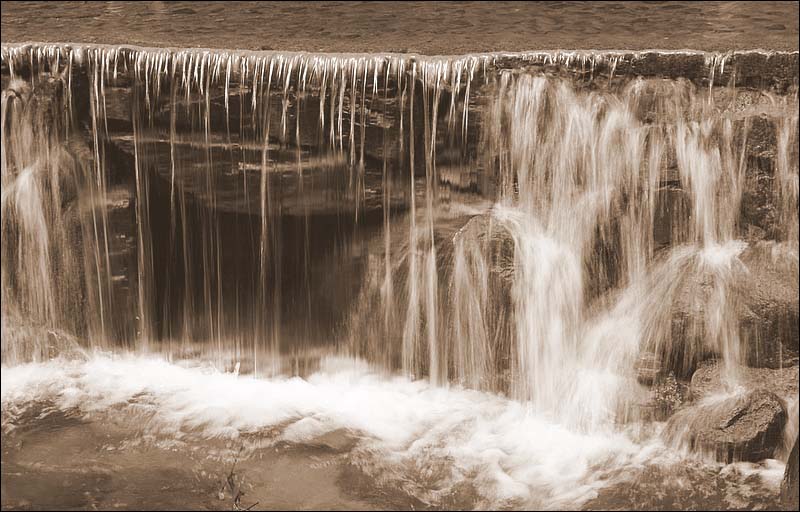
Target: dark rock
690 292
683 486
770 291
23 342
666 395
481 248
42 169
495 239
756 294
648 368
757 70
748 427
759 208
791 481
707 379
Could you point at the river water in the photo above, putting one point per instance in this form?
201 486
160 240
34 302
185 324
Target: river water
410 27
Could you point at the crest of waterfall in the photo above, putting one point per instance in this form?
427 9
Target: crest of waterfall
537 227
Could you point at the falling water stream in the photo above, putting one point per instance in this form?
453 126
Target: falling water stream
412 281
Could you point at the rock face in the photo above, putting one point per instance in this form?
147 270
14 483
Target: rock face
791 481
708 379
665 396
43 239
757 295
748 427
648 368
24 342
495 239
770 295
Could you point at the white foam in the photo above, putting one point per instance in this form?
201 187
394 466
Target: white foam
769 471
509 454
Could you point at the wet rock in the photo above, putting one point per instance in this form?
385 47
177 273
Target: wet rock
752 69
495 239
666 395
338 441
486 241
769 292
42 177
648 368
749 299
759 215
694 292
684 486
757 70
23 342
747 427
791 481
708 379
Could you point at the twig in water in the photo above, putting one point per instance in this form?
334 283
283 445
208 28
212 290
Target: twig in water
236 492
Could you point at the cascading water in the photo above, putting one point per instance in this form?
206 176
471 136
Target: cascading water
518 231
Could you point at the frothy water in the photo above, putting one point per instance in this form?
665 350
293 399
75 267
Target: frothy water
455 264
430 441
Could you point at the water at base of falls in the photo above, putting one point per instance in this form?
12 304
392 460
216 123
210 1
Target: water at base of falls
388 281
342 437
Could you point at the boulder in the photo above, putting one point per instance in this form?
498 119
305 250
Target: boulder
747 427
770 292
495 239
665 396
709 379
488 249
791 481
759 209
648 368
735 298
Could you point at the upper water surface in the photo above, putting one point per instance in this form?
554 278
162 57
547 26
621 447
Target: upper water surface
430 28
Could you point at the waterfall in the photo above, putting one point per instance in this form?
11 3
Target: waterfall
502 280
518 223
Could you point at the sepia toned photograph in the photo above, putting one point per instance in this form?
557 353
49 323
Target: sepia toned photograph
400 255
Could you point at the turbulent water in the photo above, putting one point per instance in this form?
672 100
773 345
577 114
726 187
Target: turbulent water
437 275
